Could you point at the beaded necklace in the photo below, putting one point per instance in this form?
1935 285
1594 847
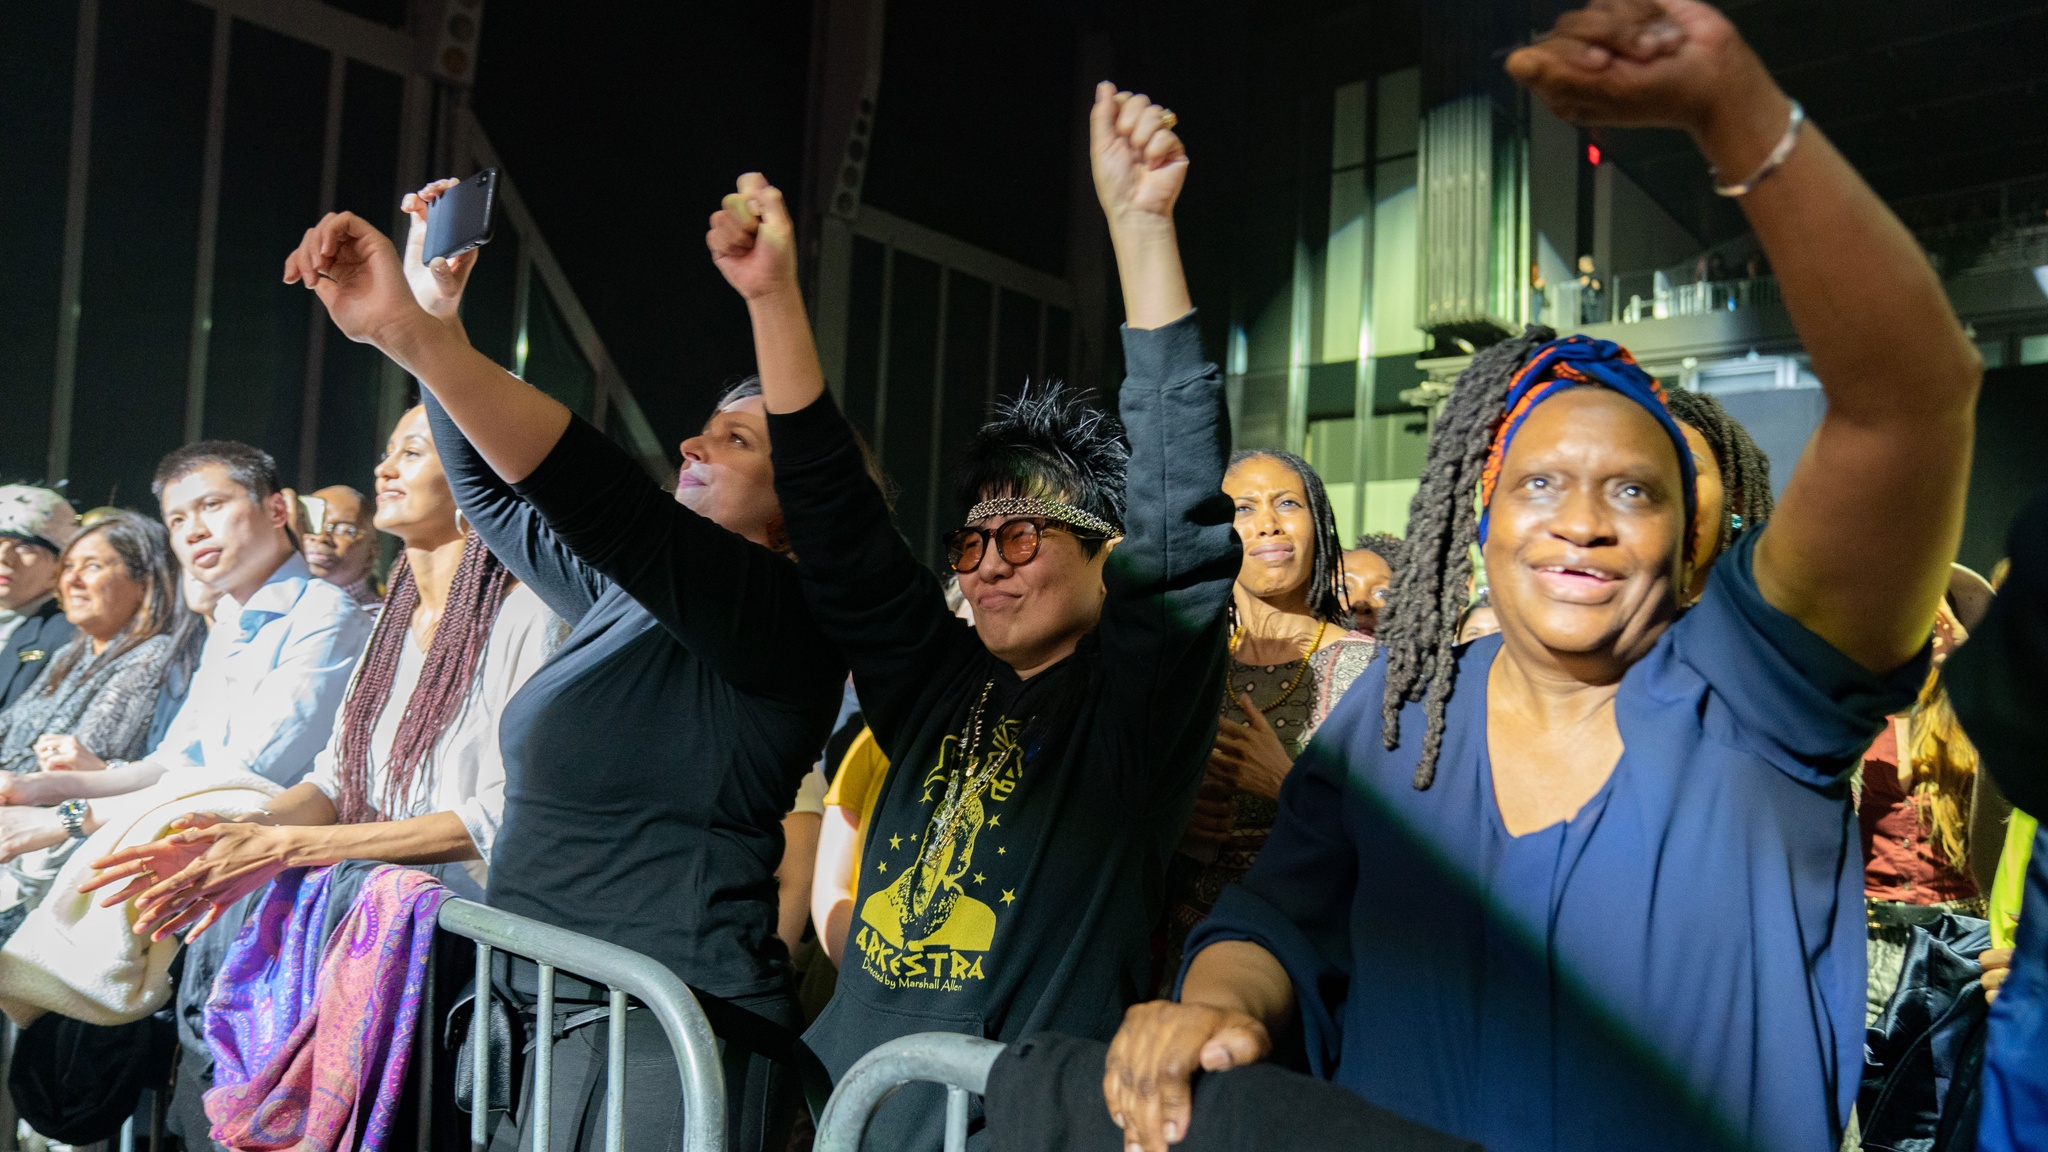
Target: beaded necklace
1287 694
961 787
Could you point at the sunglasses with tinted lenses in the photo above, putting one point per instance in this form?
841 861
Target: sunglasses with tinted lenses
1016 542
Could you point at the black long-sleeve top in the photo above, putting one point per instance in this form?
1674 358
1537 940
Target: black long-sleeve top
1037 914
648 765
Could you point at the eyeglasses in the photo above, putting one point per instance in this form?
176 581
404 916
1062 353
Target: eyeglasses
340 530
1016 542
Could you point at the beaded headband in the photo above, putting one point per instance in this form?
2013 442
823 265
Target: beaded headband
1030 506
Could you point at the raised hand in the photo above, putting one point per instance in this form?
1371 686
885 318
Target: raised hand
1139 167
1138 160
1651 63
437 285
753 241
355 271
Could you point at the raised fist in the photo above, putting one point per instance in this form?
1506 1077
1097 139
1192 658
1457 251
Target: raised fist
753 241
1643 63
1139 162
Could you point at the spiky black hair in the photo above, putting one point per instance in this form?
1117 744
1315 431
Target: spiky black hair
1745 470
1050 442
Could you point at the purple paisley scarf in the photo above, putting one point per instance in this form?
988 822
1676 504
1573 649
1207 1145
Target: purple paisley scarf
310 1050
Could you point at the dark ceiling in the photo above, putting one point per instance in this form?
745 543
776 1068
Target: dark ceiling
1927 98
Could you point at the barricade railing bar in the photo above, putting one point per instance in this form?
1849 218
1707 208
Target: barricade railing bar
625 973
961 1063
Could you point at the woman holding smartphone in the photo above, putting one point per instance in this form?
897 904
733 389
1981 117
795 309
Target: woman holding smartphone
649 764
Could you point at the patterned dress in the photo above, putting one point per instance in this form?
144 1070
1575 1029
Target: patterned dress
1194 883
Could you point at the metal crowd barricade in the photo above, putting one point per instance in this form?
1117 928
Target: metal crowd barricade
626 973
961 1063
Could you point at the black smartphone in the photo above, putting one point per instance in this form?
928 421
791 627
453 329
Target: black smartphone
461 219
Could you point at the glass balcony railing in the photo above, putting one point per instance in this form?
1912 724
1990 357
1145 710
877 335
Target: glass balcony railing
1632 299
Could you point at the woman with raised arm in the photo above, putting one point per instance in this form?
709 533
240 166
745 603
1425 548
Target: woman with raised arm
1045 757
1629 912
648 766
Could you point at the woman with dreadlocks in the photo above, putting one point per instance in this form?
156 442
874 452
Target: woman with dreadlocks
1734 479
1594 883
413 773
1292 655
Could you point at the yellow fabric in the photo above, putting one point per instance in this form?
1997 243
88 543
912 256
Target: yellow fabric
858 783
2010 886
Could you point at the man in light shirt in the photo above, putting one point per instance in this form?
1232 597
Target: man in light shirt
276 663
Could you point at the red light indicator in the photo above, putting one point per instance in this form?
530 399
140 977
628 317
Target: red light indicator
1593 155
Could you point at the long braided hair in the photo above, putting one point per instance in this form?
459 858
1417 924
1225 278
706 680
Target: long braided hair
1420 631
1745 470
458 646
1326 571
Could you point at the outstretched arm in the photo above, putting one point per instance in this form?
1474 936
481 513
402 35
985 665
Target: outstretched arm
865 588
1859 548
1169 579
753 242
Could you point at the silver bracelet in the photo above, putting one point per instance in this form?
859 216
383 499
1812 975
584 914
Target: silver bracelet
1770 163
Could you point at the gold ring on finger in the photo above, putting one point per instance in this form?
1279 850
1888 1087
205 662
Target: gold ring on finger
1168 120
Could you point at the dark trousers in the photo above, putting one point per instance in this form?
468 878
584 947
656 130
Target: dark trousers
762 1096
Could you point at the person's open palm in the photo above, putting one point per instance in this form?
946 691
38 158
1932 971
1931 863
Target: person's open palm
1138 159
437 284
753 240
1638 63
354 269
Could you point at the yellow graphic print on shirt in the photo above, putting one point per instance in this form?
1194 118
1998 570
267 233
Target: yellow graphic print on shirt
926 929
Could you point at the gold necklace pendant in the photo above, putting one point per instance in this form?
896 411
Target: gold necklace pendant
1300 672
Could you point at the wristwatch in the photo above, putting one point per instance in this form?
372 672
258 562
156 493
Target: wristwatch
72 813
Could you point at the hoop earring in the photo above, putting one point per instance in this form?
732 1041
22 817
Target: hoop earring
461 524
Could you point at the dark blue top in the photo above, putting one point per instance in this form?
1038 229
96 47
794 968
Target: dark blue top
1680 965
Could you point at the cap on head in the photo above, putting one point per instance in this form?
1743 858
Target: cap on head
37 516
